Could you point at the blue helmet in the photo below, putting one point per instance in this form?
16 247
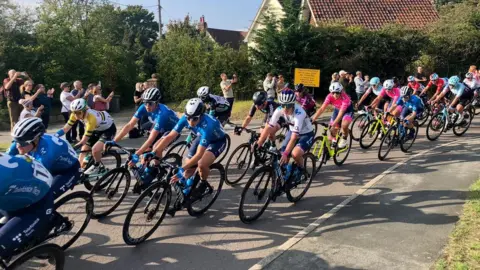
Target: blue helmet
454 80
434 77
374 81
411 79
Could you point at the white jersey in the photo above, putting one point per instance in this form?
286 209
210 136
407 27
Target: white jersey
298 122
472 84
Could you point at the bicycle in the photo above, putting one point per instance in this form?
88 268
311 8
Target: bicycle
148 204
373 129
362 119
41 256
110 159
108 188
280 182
396 134
427 111
323 149
443 120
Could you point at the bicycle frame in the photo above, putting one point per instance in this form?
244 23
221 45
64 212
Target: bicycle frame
326 144
379 122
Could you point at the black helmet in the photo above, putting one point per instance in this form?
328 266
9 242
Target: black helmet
299 87
406 91
152 95
28 129
259 97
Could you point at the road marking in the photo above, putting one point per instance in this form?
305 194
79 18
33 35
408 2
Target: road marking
299 236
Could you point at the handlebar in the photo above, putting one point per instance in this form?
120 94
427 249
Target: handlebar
128 151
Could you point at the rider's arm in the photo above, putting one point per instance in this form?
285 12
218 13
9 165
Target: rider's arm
365 95
148 142
442 94
270 127
249 117
13 149
71 121
377 100
129 126
165 142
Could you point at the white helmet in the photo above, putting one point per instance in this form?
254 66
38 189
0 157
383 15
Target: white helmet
388 84
194 107
78 105
203 92
335 87
287 97
406 91
151 95
28 129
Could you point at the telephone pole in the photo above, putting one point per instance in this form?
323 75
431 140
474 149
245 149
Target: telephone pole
159 20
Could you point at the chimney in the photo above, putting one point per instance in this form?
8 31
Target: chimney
202 25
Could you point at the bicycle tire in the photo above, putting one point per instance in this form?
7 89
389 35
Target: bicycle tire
44 251
321 159
359 119
118 159
180 148
407 147
425 115
88 209
166 191
195 213
436 117
390 135
365 133
467 126
336 160
308 177
227 148
270 181
99 186
242 147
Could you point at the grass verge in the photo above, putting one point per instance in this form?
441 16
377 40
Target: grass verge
463 248
4 146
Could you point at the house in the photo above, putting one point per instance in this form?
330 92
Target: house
371 14
221 36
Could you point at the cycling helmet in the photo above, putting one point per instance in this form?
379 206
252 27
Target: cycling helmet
335 88
453 80
287 97
194 107
374 81
469 75
434 77
203 92
28 129
406 91
151 95
259 97
78 105
388 84
411 79
299 87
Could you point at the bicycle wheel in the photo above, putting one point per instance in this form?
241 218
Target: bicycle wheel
357 126
110 159
298 189
150 211
68 212
315 128
460 128
319 153
45 256
422 119
215 179
180 148
109 192
406 145
225 152
261 194
387 143
435 126
238 164
342 154
369 134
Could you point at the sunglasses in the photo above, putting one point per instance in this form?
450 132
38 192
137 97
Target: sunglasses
23 144
149 103
287 106
336 93
193 118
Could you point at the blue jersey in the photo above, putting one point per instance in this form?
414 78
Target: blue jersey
415 104
209 128
56 154
163 118
24 181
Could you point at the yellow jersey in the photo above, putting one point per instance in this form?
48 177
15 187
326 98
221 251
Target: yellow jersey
93 120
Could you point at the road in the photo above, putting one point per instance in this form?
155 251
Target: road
218 240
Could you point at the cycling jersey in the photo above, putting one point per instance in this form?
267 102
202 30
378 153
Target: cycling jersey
209 129
458 90
375 91
93 120
268 110
416 86
393 95
440 84
298 122
307 101
415 104
163 118
342 103
217 103
25 181
472 84
56 154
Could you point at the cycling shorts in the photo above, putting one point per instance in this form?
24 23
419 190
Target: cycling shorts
102 136
347 116
216 147
305 141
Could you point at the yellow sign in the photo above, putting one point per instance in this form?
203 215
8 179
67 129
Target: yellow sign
309 77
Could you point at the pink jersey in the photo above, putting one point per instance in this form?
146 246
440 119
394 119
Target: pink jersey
341 103
394 94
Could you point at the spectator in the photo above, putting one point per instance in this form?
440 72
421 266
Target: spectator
45 99
26 93
66 98
420 75
335 77
269 85
99 102
137 95
280 83
343 80
146 85
351 87
77 90
227 89
359 85
153 81
11 87
366 82
28 110
473 69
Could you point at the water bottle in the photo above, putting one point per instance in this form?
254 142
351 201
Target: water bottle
147 176
87 158
188 185
189 138
288 171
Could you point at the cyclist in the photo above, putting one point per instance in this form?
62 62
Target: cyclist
162 118
55 154
411 105
99 128
342 114
390 94
473 83
372 92
218 106
435 82
416 86
26 198
206 147
305 100
463 95
299 138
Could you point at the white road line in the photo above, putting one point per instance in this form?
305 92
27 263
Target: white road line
299 236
